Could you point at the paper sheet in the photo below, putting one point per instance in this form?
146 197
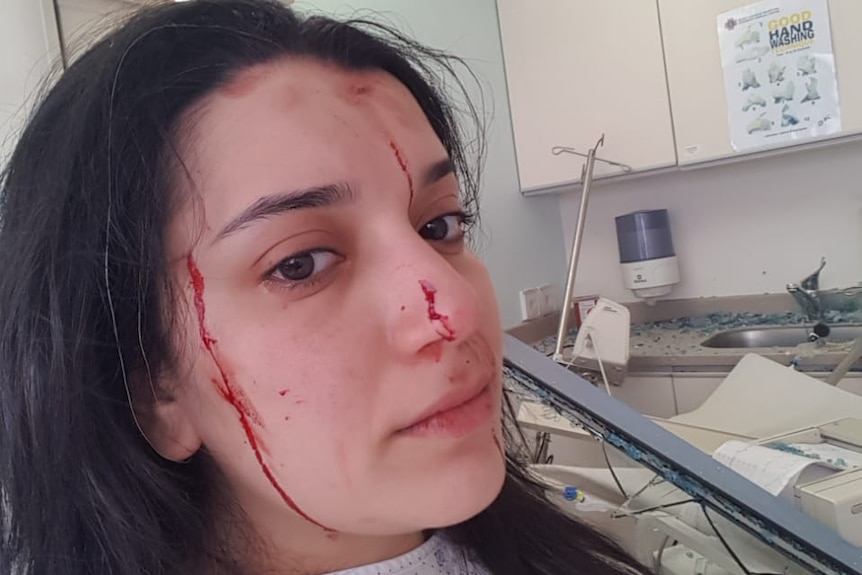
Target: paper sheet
773 470
839 457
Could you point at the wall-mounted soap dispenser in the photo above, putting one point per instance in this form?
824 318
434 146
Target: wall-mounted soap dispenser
647 258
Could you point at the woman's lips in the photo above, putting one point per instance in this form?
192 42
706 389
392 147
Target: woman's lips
455 417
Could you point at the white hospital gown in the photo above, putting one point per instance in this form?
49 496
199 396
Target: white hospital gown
437 556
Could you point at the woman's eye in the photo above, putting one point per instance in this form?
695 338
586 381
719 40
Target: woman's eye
303 266
447 228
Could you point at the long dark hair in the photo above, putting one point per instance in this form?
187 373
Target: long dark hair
83 287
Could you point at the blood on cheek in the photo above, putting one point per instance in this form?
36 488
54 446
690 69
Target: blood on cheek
233 395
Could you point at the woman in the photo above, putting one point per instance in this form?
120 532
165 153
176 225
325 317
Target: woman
242 331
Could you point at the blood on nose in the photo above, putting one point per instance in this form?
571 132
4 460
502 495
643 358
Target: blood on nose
430 293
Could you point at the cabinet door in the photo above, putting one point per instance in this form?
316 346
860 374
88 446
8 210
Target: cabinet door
83 22
696 78
691 390
577 69
30 45
648 394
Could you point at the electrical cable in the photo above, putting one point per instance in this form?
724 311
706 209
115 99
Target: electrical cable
592 339
656 564
637 512
601 363
552 352
613 473
727 546
656 480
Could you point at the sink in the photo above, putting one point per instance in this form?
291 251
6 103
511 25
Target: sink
779 336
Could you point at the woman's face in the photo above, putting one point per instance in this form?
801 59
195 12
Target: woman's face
340 347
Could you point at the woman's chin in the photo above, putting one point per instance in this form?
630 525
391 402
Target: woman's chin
456 495
437 492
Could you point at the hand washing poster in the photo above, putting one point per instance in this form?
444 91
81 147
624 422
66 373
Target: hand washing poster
779 72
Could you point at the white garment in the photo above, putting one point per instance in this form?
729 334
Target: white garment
437 556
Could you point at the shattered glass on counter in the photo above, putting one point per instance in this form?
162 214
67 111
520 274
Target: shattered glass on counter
710 324
684 335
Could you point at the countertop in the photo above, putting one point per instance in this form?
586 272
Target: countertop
675 344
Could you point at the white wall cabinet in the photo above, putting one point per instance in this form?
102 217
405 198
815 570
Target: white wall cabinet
648 74
83 22
696 79
576 69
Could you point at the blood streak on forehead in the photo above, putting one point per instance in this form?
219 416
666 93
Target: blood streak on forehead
402 163
385 97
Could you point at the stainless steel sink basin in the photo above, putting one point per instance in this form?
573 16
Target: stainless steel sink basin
779 336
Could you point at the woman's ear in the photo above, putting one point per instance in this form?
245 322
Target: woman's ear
164 419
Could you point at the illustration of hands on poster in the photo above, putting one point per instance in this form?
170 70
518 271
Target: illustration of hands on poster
779 73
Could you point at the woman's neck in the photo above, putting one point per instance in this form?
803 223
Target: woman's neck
335 552
287 545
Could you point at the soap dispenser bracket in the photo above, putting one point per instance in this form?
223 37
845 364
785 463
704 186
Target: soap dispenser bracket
587 180
557 150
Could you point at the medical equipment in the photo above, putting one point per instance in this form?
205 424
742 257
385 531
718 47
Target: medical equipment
736 511
835 497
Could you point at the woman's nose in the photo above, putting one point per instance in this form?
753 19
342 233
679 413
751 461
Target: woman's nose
430 304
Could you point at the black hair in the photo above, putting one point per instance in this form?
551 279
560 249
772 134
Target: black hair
85 198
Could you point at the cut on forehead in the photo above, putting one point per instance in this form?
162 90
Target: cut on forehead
354 85
289 84
374 87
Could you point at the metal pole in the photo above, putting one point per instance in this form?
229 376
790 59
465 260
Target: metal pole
587 179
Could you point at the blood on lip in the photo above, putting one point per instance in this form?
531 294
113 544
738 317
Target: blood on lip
233 395
448 416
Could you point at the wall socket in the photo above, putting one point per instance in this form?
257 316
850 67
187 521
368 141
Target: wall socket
538 301
531 303
550 302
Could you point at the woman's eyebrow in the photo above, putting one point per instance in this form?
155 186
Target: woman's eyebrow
314 197
437 171
276 204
